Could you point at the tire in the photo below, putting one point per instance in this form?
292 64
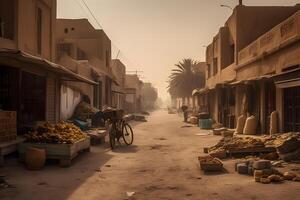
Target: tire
127 134
112 137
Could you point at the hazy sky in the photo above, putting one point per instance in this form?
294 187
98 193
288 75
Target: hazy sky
156 34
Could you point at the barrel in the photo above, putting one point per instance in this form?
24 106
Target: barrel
35 158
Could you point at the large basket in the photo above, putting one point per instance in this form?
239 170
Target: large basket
208 166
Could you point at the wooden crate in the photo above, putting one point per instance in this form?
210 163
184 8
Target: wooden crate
9 147
65 153
8 126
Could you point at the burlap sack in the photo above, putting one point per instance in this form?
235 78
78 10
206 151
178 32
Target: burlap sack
240 124
274 123
250 126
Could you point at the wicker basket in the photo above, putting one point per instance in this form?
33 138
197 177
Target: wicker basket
208 166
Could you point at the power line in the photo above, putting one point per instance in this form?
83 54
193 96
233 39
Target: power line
85 4
118 50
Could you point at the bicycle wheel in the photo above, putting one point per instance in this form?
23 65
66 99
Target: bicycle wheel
112 136
127 134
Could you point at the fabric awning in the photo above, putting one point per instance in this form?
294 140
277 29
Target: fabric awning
20 56
224 83
200 91
246 81
287 79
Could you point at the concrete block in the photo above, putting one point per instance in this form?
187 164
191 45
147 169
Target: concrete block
242 168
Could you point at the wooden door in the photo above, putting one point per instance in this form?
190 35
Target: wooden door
292 109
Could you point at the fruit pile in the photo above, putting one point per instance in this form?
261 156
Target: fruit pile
61 133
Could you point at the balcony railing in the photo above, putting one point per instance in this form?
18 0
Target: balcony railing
281 35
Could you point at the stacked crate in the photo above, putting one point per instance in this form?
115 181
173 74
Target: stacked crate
8 126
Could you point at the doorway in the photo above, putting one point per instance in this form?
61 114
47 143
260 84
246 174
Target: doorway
292 109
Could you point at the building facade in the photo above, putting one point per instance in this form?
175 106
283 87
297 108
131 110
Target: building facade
133 95
26 30
118 87
236 82
28 74
85 51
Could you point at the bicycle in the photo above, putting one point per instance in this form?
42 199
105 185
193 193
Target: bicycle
119 128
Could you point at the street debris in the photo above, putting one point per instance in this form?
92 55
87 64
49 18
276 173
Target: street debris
161 138
3 183
98 170
186 126
130 194
273 152
42 183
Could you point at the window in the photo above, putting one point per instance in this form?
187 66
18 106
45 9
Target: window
1 28
231 56
39 30
65 48
7 19
107 58
208 70
81 55
215 66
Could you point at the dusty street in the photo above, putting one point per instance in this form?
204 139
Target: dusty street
162 164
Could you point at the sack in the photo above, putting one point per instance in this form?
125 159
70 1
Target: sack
250 126
240 124
273 123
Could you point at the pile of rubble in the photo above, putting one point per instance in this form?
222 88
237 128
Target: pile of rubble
274 152
264 171
285 146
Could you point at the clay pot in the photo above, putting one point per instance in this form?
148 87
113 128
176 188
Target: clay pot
35 158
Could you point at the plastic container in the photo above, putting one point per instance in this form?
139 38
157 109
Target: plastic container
205 123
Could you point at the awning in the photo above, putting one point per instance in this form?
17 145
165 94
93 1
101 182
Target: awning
100 72
287 79
224 83
246 81
200 91
20 56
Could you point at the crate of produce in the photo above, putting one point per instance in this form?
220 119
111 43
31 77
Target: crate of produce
62 141
210 164
8 126
65 153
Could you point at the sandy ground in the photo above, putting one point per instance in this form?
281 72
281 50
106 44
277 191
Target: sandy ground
162 164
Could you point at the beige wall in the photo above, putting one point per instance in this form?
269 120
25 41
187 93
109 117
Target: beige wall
119 70
79 32
97 48
25 37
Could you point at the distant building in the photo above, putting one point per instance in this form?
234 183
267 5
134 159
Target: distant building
133 88
118 87
85 51
149 96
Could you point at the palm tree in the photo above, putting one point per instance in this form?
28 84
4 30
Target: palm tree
185 78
